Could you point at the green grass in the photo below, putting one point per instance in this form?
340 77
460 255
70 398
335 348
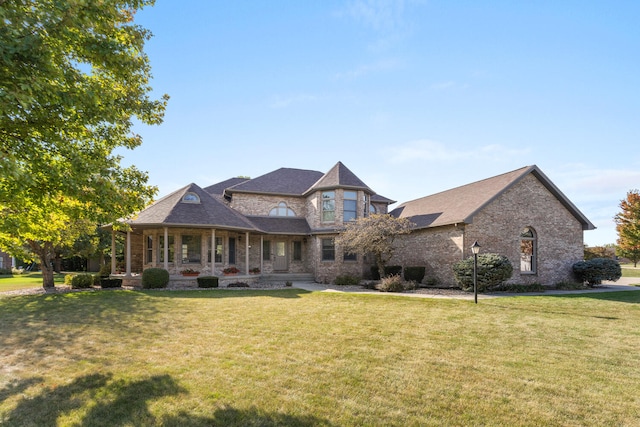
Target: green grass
26 281
629 271
290 357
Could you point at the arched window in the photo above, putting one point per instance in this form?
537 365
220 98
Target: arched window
282 210
191 198
528 247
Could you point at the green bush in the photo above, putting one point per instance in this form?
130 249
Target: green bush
105 282
346 280
569 286
415 274
594 271
155 278
391 284
80 281
389 270
375 274
207 281
5 272
105 270
493 270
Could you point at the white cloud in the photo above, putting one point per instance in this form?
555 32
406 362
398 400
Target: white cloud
377 14
448 85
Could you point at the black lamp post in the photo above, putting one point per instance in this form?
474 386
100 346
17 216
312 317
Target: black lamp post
475 248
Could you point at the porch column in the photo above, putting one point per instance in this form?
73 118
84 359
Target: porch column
261 254
113 251
246 253
128 253
213 251
166 248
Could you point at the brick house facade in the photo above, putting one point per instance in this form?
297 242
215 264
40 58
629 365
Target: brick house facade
521 215
285 222
5 260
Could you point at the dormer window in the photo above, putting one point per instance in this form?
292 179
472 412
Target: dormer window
191 198
282 210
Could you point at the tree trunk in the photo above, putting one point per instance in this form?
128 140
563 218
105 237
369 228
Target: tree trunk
380 264
44 252
57 263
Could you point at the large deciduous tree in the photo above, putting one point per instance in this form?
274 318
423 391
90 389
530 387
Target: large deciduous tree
628 227
374 235
73 78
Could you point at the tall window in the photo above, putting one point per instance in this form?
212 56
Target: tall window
349 206
528 251
266 250
218 250
328 250
297 250
191 248
149 249
232 250
282 210
328 206
161 248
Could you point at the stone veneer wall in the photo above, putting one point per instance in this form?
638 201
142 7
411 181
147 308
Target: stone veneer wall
437 249
529 204
497 229
260 204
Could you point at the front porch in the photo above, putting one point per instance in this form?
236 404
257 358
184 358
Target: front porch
178 281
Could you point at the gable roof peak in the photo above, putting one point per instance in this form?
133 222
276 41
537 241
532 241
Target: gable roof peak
339 176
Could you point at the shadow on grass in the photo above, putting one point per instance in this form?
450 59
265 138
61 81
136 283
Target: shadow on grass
100 400
631 297
46 323
230 416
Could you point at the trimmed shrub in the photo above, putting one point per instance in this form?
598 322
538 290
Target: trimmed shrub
415 274
346 280
392 270
594 271
493 270
375 274
80 281
155 278
105 282
391 284
207 281
105 270
5 272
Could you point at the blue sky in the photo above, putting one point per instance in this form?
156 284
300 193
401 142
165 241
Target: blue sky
415 97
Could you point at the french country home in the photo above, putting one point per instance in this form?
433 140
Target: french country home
283 224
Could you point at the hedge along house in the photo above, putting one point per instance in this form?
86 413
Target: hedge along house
519 214
281 222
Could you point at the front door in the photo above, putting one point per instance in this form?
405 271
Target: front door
281 260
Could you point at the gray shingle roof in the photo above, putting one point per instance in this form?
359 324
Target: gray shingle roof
281 225
459 205
210 212
284 181
339 177
218 189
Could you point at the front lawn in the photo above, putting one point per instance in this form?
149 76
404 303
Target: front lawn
26 281
290 357
628 270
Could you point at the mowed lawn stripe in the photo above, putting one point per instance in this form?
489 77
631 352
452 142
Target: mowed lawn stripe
292 357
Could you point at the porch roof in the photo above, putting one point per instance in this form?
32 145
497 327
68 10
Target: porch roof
209 211
281 225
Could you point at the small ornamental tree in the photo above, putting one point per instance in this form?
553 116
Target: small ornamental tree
628 227
493 270
373 234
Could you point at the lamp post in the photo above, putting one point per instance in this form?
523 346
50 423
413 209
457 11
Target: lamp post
475 248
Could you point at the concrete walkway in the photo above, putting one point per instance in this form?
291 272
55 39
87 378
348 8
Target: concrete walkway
623 284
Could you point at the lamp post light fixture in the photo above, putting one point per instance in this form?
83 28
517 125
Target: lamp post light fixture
475 248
